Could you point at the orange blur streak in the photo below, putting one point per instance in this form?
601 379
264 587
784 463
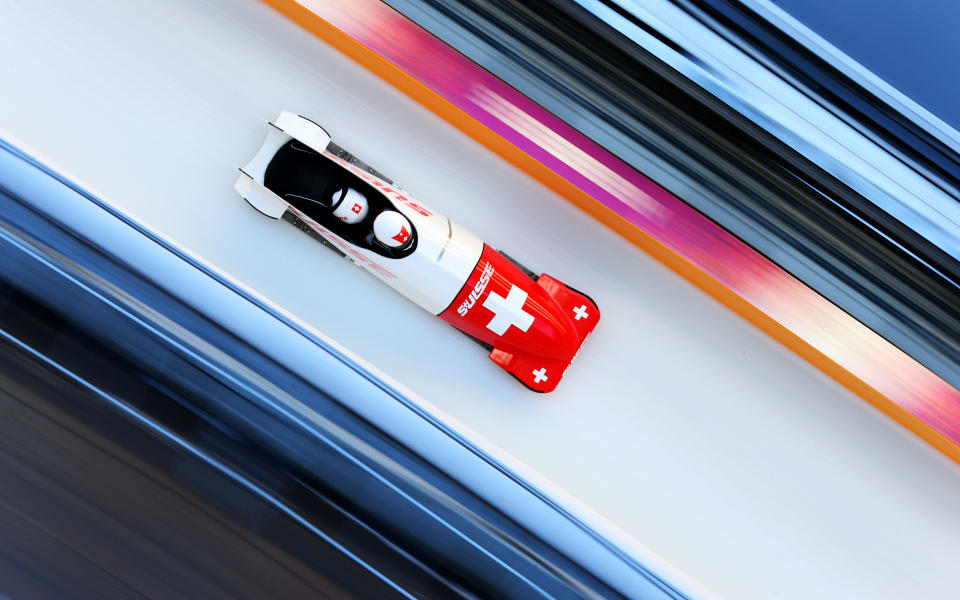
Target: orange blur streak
467 124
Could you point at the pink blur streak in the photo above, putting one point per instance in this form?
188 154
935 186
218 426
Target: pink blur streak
649 207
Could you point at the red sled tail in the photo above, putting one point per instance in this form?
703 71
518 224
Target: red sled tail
540 374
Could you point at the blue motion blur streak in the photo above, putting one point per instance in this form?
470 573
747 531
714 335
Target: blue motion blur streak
176 440
716 64
263 378
912 45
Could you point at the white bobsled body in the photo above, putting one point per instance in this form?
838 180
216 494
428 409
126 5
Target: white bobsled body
430 276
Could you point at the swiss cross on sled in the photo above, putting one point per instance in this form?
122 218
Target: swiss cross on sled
508 311
535 326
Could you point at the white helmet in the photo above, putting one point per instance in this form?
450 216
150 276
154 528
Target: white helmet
350 206
392 229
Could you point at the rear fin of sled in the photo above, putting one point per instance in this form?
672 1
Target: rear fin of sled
259 197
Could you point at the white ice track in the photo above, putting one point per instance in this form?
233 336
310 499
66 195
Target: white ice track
680 423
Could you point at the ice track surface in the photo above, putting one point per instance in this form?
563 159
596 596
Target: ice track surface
680 424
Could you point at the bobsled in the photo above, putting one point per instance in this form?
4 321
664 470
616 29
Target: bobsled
532 325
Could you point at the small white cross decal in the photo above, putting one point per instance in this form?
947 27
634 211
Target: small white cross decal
508 311
540 375
581 312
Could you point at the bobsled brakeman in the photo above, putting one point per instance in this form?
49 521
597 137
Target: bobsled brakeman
532 326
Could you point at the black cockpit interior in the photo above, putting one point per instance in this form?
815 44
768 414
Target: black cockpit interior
311 182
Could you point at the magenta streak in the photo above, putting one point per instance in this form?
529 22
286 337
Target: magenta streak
650 208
